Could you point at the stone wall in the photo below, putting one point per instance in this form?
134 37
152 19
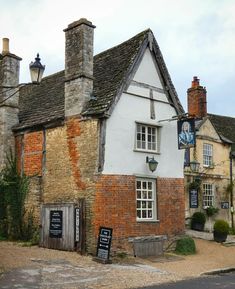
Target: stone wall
8 118
70 174
66 171
9 77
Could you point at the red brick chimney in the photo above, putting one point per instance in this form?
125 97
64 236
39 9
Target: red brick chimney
197 105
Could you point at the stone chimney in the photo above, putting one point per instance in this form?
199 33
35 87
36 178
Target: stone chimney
197 105
9 95
78 66
9 71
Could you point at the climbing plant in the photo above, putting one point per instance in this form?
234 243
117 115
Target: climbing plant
195 184
13 191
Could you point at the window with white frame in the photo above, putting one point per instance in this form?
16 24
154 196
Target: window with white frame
207 155
146 200
146 137
208 195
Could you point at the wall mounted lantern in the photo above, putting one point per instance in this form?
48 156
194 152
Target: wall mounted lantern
152 164
194 166
36 70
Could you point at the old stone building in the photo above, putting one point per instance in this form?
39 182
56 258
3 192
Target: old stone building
214 152
90 133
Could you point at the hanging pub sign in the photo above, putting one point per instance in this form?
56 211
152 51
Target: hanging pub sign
104 243
186 133
56 223
193 199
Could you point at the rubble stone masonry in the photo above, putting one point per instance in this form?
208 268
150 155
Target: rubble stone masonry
69 173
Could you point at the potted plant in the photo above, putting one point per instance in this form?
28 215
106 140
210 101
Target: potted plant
198 221
211 211
221 230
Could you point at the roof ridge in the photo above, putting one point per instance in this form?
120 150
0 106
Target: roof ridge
219 115
53 74
125 42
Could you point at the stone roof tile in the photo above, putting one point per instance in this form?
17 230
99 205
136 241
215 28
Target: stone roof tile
45 103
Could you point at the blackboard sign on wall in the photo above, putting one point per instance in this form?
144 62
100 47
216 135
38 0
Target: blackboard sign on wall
56 223
224 205
193 198
104 243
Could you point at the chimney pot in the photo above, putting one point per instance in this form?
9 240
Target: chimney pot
195 82
197 105
5 46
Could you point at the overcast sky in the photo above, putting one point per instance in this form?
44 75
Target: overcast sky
196 38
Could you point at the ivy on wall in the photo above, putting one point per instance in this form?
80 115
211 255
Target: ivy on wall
14 224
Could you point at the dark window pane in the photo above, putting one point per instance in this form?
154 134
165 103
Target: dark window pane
144 215
150 214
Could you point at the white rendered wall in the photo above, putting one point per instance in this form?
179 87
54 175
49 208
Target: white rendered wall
120 154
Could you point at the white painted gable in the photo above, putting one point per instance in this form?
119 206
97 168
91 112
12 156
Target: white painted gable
147 72
134 106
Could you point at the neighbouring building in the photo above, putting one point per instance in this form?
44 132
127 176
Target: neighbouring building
214 151
85 133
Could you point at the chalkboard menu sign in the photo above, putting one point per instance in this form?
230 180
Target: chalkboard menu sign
56 222
104 243
193 199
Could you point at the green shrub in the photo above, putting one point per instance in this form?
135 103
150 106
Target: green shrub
185 246
13 192
211 211
199 217
221 227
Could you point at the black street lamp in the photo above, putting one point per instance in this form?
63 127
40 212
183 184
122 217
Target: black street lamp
36 70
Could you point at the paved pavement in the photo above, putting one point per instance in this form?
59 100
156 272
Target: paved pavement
51 269
209 236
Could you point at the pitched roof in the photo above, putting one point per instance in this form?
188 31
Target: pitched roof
225 127
112 68
41 104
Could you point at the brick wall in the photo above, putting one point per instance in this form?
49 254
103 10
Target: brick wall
29 153
115 206
197 103
33 153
